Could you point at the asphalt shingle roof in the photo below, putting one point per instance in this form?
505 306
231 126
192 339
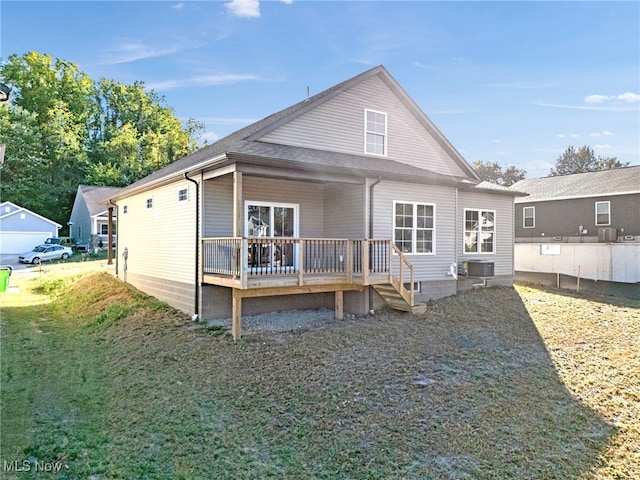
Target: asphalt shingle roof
96 197
604 182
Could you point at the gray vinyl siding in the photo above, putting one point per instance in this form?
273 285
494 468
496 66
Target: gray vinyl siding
81 218
426 267
344 211
30 223
551 216
338 125
309 197
217 210
504 208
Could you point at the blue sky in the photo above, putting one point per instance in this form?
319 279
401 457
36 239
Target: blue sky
512 82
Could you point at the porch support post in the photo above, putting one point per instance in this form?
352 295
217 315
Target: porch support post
339 304
236 315
238 208
365 262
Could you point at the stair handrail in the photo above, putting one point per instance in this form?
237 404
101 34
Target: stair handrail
398 282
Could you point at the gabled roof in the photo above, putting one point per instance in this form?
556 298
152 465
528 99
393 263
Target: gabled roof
96 198
246 141
18 209
616 181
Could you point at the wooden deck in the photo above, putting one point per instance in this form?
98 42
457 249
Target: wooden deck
258 266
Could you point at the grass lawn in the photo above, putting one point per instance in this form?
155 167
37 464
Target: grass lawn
104 382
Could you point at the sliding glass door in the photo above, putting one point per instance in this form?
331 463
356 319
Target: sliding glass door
272 225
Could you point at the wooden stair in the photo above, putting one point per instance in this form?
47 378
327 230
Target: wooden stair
394 298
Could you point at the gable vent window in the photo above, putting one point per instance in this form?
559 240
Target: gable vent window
125 209
149 203
603 213
183 195
375 132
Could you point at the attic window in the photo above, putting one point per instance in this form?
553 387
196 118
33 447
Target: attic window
375 132
125 209
149 203
183 194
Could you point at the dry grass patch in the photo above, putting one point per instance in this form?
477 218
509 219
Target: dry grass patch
493 384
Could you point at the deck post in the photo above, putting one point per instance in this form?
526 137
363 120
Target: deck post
365 262
339 305
301 262
236 315
349 261
238 208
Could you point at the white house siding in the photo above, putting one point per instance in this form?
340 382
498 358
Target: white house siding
338 125
503 206
160 243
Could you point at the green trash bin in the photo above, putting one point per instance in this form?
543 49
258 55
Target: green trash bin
5 273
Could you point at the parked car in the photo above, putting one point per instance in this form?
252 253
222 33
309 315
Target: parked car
64 241
45 252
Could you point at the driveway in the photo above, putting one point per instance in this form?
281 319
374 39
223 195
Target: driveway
12 261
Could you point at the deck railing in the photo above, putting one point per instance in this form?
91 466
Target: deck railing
235 257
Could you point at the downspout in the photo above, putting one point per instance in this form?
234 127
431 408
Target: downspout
371 230
110 202
196 310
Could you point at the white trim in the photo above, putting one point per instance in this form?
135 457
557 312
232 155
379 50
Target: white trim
595 208
384 135
479 243
296 215
22 209
414 227
524 217
574 197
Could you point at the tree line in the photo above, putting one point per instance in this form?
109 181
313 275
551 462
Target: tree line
61 128
571 161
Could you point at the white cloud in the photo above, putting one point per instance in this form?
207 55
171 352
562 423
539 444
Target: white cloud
605 146
625 97
596 98
496 141
204 81
605 133
244 8
561 135
178 6
574 135
130 51
629 97
604 108
288 2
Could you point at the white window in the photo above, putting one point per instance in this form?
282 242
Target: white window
125 209
529 217
104 229
23 216
603 213
150 203
183 194
375 132
479 231
414 227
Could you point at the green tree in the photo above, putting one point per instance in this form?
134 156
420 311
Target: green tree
581 161
133 134
494 172
61 129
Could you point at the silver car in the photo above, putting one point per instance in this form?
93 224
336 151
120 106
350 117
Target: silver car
45 252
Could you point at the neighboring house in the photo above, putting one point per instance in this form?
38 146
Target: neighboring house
89 221
343 200
22 229
584 225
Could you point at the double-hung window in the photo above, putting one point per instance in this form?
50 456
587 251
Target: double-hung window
414 227
603 213
529 217
479 231
183 194
375 132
